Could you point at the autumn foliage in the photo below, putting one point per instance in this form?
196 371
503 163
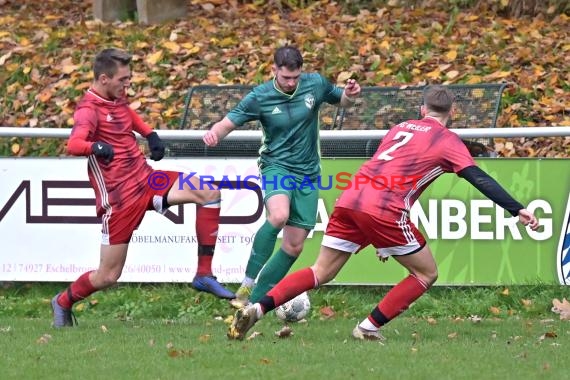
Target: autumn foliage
46 50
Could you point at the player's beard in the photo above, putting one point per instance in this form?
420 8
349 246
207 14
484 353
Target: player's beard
286 89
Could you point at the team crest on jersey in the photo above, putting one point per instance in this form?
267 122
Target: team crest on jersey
563 257
310 101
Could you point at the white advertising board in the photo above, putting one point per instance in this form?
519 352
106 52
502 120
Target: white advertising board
49 231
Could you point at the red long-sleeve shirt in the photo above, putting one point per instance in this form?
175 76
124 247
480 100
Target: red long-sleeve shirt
118 183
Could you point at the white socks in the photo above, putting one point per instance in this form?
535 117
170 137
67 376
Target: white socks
367 325
258 310
248 282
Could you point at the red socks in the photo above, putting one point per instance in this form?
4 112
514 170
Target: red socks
77 291
204 264
207 224
291 286
397 300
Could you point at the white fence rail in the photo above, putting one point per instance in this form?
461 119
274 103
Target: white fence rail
238 135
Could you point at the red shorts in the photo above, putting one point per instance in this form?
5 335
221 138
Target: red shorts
350 231
119 222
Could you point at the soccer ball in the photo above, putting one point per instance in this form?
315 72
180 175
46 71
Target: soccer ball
295 309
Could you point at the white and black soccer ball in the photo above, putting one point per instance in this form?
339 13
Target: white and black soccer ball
295 309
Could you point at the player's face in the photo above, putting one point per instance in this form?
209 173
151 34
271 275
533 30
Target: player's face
117 86
286 79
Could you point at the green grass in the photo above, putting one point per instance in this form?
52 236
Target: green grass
170 331
176 301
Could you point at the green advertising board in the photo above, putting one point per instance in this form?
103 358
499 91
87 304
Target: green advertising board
474 241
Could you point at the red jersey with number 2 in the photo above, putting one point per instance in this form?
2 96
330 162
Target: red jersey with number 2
411 156
120 182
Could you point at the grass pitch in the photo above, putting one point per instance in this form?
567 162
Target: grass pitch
173 332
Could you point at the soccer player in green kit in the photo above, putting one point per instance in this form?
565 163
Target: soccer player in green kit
287 108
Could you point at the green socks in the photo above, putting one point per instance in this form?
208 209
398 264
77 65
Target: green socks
262 249
276 268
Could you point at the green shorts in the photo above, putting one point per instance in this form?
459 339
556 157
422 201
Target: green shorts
302 192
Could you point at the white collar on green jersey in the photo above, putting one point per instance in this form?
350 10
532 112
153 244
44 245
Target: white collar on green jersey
284 93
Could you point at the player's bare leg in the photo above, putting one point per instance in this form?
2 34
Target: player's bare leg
112 259
423 273
421 264
328 264
111 265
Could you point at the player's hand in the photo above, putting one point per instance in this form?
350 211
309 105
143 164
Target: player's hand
103 150
352 88
382 258
156 146
527 218
210 138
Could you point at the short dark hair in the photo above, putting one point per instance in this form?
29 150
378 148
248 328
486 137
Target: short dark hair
438 98
107 61
288 56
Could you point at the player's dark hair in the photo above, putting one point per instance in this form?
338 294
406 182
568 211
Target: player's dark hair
289 57
438 99
108 60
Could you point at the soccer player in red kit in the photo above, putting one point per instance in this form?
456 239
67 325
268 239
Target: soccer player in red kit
416 152
118 171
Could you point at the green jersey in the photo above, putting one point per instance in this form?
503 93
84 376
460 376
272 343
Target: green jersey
290 122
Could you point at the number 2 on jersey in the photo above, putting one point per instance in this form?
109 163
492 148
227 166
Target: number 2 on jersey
385 155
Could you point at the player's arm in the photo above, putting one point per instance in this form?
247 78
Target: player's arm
81 142
459 160
218 131
78 143
490 188
339 96
247 110
495 192
139 125
84 125
351 91
155 143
